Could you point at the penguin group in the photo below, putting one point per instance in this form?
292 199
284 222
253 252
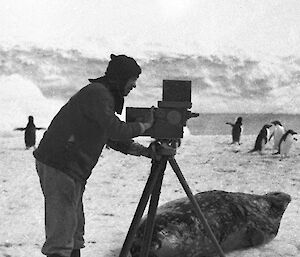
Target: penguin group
282 138
30 133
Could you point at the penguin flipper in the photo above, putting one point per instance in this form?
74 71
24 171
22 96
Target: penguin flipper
270 137
20 129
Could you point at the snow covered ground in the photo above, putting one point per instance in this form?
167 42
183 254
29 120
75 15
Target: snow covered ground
113 191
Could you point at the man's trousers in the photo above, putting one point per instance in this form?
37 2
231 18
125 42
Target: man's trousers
64 216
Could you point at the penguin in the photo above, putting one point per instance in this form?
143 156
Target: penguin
277 134
30 133
261 139
237 130
286 142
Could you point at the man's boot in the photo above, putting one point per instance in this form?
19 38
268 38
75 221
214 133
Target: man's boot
75 253
54 255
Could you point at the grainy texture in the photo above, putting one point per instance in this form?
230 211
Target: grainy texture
238 221
114 189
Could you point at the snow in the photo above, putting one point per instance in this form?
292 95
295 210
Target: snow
19 98
116 184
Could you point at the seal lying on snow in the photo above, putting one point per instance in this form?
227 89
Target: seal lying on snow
238 221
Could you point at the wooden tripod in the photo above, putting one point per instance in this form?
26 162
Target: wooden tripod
152 190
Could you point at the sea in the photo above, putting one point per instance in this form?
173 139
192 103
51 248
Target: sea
214 123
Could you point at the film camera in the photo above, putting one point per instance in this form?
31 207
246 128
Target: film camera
172 112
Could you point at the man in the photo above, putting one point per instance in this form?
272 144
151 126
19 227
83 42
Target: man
71 146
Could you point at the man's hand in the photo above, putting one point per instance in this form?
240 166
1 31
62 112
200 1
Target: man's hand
137 149
151 152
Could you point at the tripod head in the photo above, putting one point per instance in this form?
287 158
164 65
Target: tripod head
163 147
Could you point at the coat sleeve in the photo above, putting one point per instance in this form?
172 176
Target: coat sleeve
129 147
120 146
99 107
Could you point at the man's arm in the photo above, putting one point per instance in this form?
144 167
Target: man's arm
129 147
98 105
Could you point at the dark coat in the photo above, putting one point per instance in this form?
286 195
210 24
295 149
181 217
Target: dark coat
79 131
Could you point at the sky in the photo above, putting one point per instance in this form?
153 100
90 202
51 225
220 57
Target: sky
143 28
269 27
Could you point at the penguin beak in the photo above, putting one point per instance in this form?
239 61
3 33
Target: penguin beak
296 139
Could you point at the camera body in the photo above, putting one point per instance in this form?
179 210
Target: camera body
171 114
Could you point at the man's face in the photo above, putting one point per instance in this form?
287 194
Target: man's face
131 83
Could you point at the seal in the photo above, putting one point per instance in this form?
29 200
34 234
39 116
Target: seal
30 132
286 142
238 221
261 139
236 130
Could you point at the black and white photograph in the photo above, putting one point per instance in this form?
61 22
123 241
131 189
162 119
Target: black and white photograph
162 128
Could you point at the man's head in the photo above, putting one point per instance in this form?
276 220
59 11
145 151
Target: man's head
123 68
130 84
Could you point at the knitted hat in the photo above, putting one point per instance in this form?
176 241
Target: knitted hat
122 67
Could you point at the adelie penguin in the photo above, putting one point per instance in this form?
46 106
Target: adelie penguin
277 134
30 133
286 142
237 130
261 139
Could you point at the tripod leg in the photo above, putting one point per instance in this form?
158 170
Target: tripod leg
140 210
148 233
195 205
